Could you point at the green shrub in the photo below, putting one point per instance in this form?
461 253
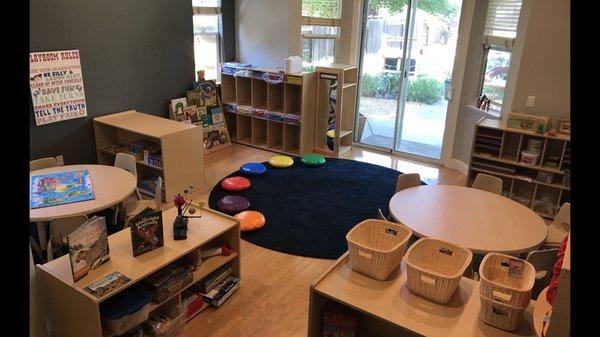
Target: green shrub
493 92
367 85
425 90
387 83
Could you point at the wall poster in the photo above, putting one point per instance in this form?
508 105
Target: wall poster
56 84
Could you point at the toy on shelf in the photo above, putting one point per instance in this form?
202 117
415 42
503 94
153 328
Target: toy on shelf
222 250
181 220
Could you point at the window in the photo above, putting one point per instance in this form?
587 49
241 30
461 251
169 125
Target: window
498 39
207 37
320 31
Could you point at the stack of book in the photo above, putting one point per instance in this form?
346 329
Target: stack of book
147 186
217 286
168 281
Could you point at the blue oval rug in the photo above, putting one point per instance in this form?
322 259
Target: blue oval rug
309 210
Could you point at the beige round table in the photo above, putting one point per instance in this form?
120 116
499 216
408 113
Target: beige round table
481 221
111 185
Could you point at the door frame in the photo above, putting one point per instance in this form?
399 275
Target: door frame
462 46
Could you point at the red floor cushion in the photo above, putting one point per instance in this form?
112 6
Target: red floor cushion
250 220
235 184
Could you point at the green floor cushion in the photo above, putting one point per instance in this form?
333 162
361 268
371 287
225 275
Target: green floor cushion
313 159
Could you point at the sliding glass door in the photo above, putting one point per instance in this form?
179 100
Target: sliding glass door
408 50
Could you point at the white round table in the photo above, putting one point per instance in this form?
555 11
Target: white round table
478 220
111 185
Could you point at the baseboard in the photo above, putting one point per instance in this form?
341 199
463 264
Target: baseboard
458 165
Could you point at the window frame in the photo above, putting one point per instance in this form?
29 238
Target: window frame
329 22
210 11
499 43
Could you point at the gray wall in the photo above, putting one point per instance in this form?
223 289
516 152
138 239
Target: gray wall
135 54
262 31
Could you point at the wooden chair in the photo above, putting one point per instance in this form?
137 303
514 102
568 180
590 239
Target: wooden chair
136 206
42 163
560 227
543 261
59 229
488 183
407 180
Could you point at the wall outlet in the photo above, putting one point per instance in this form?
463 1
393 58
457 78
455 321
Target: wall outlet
60 160
530 102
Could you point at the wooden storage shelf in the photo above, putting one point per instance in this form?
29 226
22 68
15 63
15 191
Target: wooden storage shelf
294 95
243 91
387 308
343 79
176 141
56 281
228 89
497 151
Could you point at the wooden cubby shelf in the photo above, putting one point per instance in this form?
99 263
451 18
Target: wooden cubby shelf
497 151
175 140
336 87
271 124
55 279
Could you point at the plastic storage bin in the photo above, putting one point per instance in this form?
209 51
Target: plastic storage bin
434 268
529 157
500 315
175 319
376 247
126 310
498 285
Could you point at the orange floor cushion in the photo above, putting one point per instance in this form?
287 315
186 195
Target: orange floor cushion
250 220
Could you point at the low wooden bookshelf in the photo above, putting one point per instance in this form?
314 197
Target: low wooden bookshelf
343 80
182 157
71 311
254 109
388 309
497 151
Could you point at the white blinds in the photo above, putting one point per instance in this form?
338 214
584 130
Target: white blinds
327 9
502 21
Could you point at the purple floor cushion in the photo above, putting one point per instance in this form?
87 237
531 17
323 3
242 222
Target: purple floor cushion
232 204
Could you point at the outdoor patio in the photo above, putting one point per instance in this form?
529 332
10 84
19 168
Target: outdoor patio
423 125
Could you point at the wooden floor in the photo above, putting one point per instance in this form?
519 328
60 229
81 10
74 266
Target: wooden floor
273 296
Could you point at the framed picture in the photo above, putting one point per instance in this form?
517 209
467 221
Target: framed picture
564 127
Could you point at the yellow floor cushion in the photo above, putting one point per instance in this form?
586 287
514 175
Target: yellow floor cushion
281 161
250 220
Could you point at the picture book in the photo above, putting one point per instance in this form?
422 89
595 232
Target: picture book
106 285
215 136
60 188
189 113
222 292
146 231
193 98
208 93
177 106
88 247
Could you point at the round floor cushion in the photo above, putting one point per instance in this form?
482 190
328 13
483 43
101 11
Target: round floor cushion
250 220
233 204
312 159
281 161
235 184
253 169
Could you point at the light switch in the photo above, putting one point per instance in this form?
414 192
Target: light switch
60 160
530 102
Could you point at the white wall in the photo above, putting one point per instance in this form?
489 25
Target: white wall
263 29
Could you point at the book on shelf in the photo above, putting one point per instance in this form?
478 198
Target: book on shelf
107 284
146 231
147 186
88 247
212 280
222 292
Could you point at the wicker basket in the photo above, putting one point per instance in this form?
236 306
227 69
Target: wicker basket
434 268
496 284
500 315
376 247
